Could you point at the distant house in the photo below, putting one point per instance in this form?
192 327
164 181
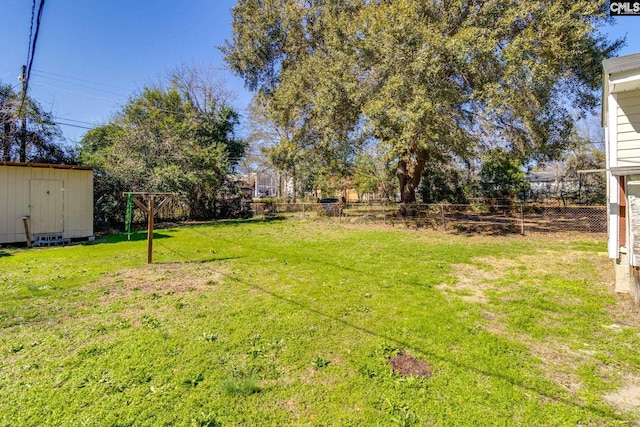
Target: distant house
267 184
621 119
52 199
555 184
264 183
543 184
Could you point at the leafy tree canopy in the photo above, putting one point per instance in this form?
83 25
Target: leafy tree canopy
502 176
444 181
429 78
28 133
373 173
178 137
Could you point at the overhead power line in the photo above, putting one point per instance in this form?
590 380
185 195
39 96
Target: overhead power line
33 14
35 40
31 50
77 121
78 84
77 92
73 126
72 79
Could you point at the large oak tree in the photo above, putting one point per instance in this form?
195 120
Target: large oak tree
427 77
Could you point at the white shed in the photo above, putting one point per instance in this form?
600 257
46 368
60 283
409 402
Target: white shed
621 119
55 199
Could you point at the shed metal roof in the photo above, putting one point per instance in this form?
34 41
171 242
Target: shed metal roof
45 165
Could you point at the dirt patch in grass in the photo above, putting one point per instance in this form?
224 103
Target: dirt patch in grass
472 282
163 278
468 289
566 264
406 365
559 361
627 397
483 280
624 313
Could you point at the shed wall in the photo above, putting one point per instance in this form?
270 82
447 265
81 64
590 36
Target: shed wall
18 184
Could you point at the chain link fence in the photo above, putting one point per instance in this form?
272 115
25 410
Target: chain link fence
515 218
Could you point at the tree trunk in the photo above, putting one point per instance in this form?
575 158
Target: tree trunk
409 179
407 191
294 183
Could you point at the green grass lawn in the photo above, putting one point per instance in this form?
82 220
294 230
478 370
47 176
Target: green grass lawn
291 323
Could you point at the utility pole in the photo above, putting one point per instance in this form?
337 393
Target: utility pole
23 116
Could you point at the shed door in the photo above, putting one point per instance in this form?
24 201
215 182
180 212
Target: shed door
47 206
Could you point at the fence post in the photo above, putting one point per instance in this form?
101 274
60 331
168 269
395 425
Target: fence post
444 225
384 213
522 218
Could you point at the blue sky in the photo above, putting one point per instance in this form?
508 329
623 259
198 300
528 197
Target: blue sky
92 55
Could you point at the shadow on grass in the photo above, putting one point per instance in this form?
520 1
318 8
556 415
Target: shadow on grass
407 345
231 222
3 254
329 264
522 384
200 261
141 234
135 237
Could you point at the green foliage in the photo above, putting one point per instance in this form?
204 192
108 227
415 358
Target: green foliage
443 182
232 203
167 139
429 79
373 172
320 362
267 206
315 159
585 188
28 133
502 177
243 386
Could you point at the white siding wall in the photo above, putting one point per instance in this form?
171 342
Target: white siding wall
15 193
78 207
14 202
628 128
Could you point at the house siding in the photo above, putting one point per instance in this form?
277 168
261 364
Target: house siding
628 128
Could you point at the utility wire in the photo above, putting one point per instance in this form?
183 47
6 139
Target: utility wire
77 121
33 39
33 14
72 125
81 125
78 84
79 79
71 80
76 92
145 107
